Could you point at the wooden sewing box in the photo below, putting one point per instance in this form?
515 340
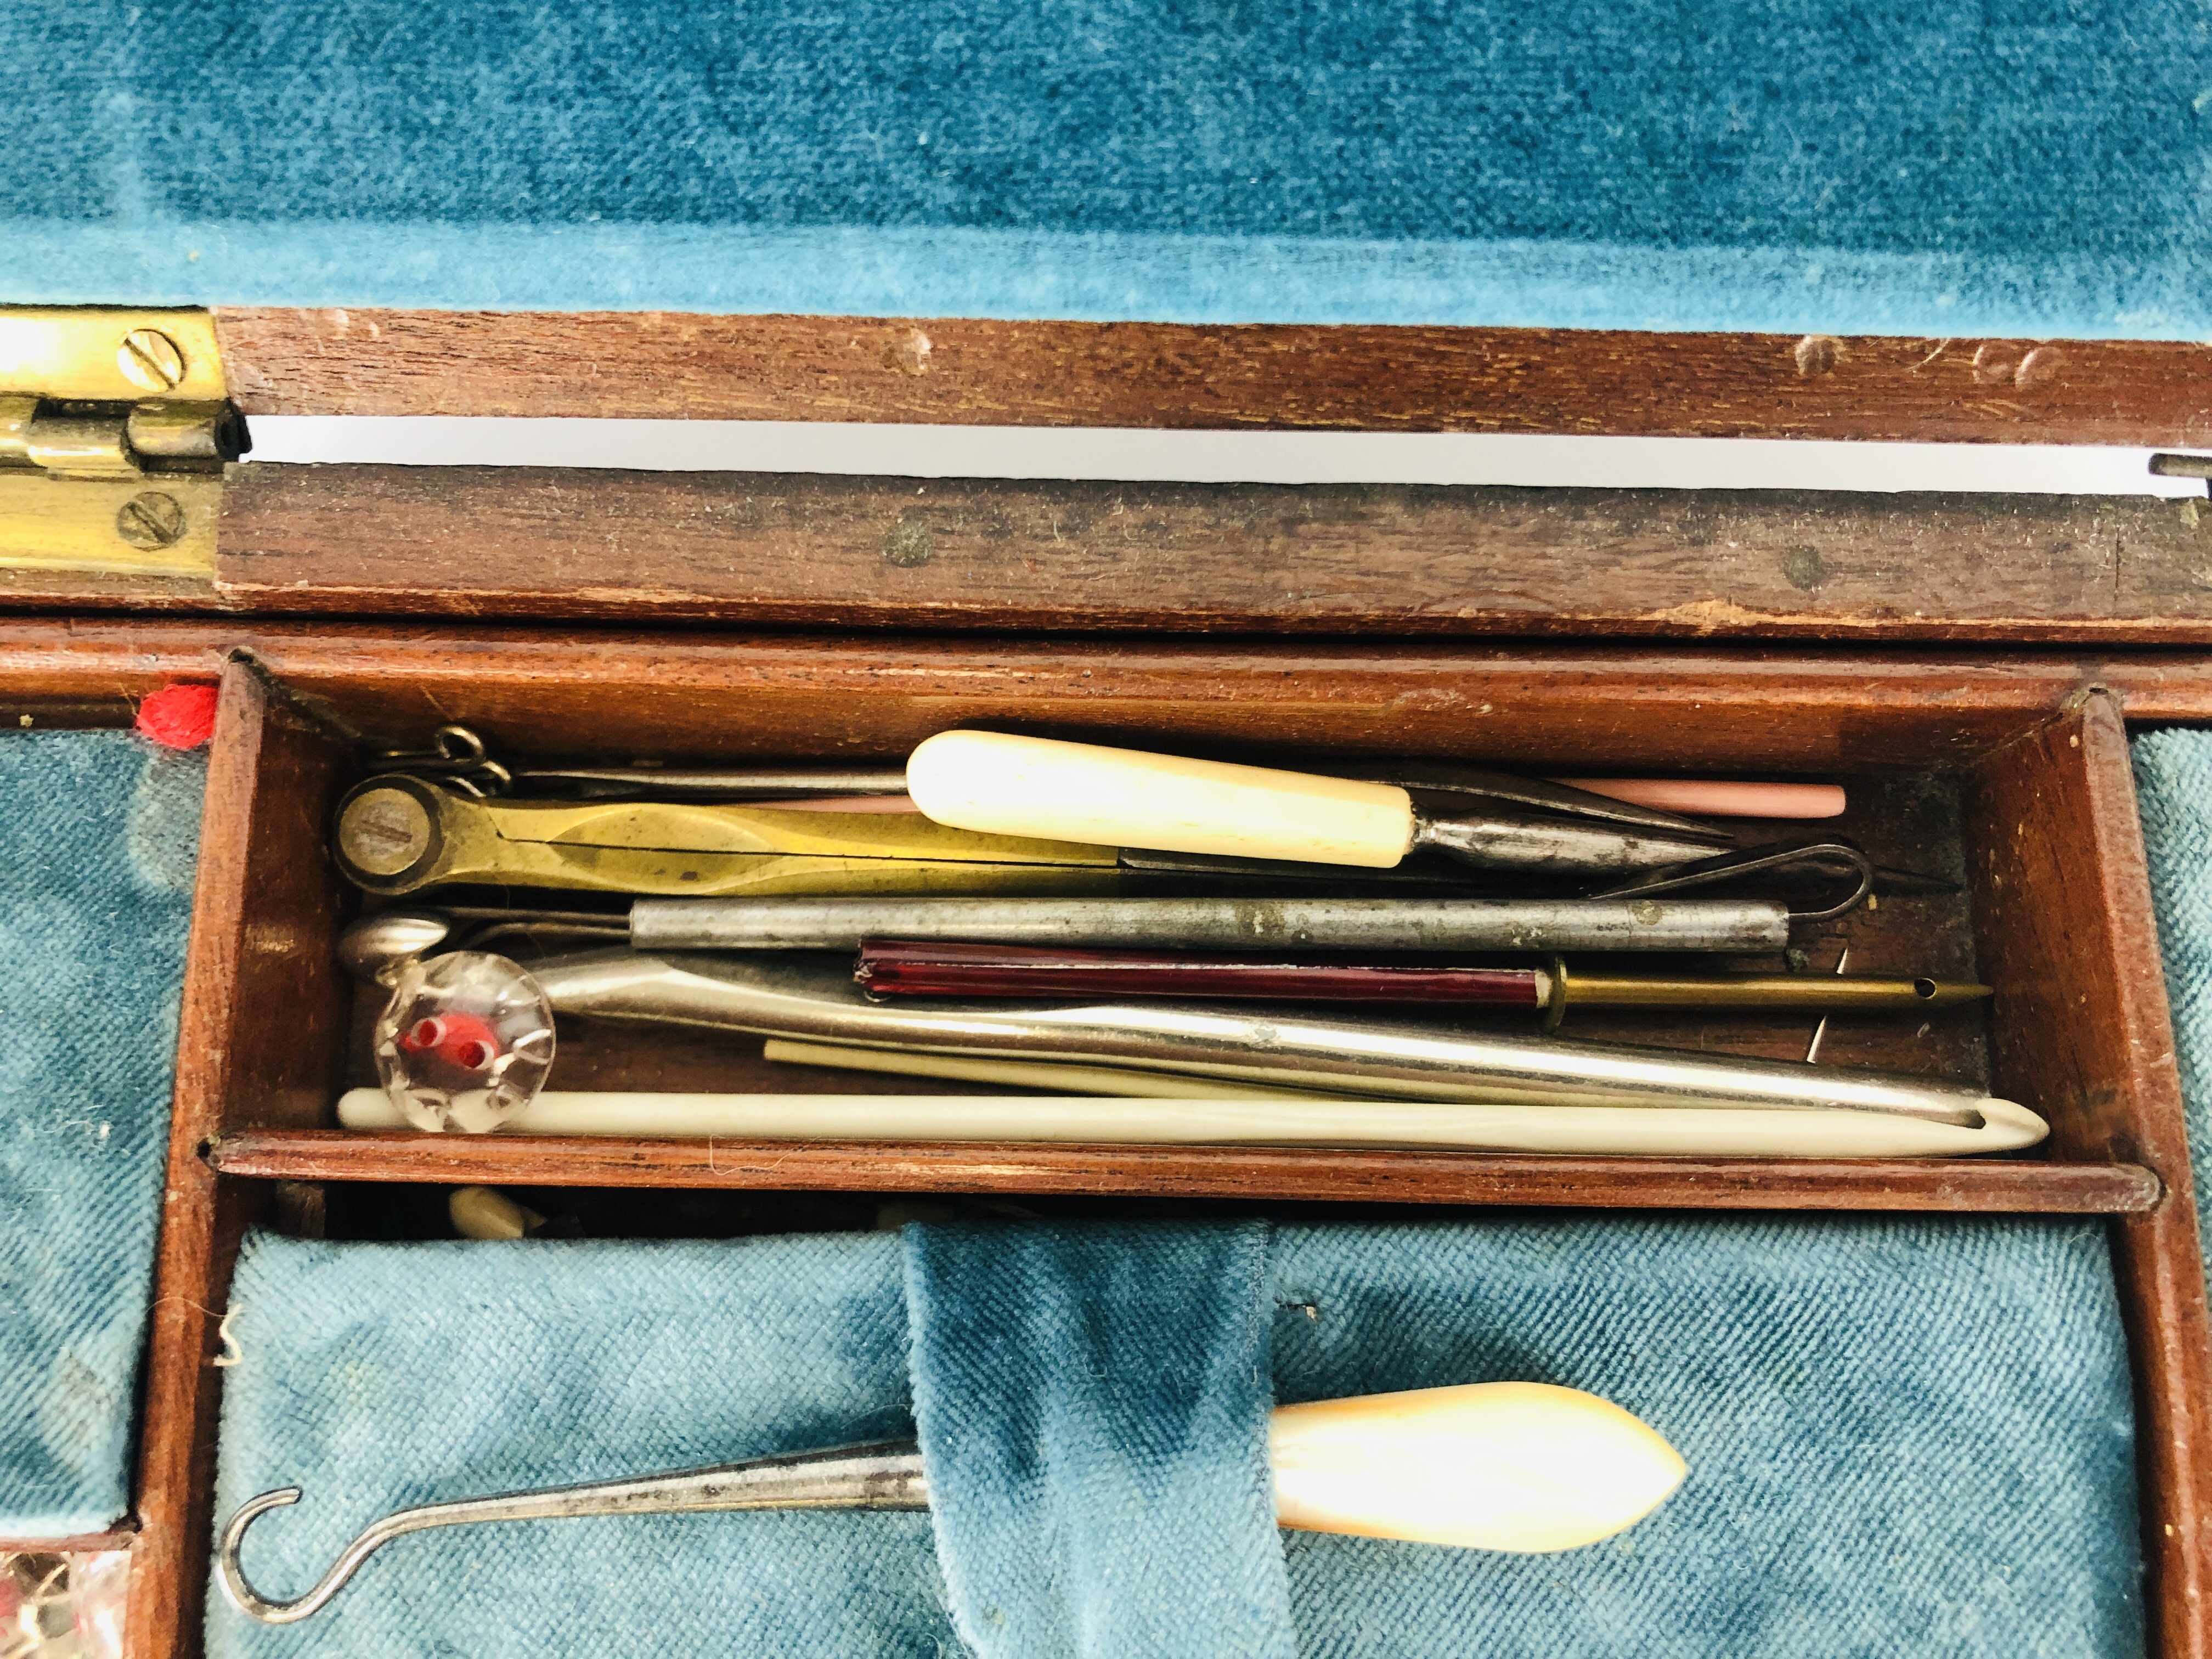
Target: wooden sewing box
1984 656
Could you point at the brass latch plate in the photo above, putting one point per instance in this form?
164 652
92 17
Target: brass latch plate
151 526
98 354
114 427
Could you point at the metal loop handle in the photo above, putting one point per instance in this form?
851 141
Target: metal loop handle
457 756
884 1475
1777 855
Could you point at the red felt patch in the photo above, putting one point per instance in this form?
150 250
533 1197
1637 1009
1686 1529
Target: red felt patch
179 716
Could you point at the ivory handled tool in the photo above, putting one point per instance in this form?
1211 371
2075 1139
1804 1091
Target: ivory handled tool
1278 1120
1705 797
458 758
1709 797
1524 1467
997 784
902 968
397 835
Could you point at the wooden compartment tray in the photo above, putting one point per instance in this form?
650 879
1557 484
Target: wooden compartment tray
2017 765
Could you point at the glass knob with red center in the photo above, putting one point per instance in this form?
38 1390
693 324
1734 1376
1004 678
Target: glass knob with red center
465 1041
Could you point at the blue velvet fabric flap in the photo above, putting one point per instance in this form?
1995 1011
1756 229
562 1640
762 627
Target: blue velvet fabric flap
1905 1435
379 1376
97 848
1953 167
1092 1404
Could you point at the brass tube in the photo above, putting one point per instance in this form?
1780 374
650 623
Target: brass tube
1799 992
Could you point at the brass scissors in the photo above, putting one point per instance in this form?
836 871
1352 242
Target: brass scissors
399 834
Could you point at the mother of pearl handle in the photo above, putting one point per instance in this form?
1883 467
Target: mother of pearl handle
1038 786
1525 1466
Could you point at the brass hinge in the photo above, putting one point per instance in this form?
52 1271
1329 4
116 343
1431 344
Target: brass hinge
114 427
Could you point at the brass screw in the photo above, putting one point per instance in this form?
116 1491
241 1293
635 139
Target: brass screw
908 543
149 358
152 519
1818 354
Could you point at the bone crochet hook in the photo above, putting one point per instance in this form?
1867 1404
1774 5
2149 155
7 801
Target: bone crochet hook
1525 1467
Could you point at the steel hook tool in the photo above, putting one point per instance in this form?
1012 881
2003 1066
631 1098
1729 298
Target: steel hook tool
884 1476
1528 1468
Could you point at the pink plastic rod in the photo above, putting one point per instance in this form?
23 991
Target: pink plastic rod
1716 799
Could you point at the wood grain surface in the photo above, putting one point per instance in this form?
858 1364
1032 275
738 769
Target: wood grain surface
946 370
856 698
253 1031
1797 711
2081 1033
810 551
1249 1172
74 589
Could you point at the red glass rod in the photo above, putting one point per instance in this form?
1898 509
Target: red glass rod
910 968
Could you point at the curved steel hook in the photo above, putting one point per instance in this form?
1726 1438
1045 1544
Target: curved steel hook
242 1596
887 1475
1834 856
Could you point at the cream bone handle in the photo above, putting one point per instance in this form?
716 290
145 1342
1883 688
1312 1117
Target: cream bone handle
1527 1467
1041 787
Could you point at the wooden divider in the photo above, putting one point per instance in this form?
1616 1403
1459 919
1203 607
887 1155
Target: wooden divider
672 365
551 545
2080 1031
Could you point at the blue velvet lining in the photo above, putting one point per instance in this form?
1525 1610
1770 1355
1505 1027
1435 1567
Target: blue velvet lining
377 1376
1905 1435
2173 791
97 848
1951 168
1092 1404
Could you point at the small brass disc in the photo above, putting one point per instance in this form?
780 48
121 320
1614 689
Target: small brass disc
384 831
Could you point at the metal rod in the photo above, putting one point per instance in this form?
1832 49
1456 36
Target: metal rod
1839 858
1556 847
815 1000
953 969
1736 925
1456 778
887 1475
1774 991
